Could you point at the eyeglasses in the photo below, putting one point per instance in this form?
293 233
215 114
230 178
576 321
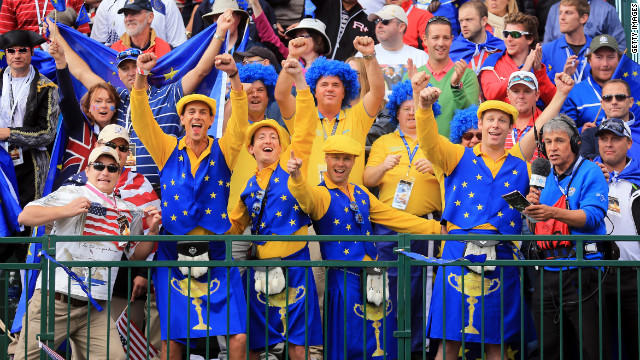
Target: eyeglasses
112 168
516 34
469 135
306 36
23 50
384 22
129 52
122 148
439 18
619 97
614 126
522 78
354 207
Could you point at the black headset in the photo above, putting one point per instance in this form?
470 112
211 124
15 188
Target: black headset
575 139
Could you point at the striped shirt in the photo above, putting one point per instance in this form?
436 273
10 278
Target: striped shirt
163 102
22 14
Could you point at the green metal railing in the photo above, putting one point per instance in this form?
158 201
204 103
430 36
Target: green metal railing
403 264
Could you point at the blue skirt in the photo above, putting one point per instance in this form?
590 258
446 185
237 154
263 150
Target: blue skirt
302 294
383 322
477 316
202 311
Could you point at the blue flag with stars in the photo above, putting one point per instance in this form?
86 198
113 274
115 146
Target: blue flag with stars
243 4
59 5
83 17
629 71
158 6
309 9
9 200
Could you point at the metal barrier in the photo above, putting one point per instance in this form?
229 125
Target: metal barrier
472 294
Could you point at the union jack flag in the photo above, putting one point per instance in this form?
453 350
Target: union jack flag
76 154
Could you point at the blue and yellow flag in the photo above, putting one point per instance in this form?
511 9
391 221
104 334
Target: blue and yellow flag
9 200
158 6
83 17
59 5
629 71
309 9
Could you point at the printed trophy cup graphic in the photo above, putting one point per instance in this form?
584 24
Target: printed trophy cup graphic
374 313
293 295
196 291
473 288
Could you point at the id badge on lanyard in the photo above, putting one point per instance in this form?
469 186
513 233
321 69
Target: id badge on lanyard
15 152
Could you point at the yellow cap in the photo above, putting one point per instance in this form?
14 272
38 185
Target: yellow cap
342 144
498 105
196 97
283 134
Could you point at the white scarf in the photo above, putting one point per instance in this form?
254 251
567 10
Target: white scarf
12 114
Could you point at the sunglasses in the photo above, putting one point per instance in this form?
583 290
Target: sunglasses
522 78
112 168
23 50
354 207
516 34
384 22
469 135
306 36
619 97
614 126
122 148
440 18
129 52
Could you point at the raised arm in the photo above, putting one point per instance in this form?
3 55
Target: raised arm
286 101
314 200
193 78
265 31
233 139
372 99
564 83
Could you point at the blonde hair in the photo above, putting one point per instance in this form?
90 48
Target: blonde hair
362 75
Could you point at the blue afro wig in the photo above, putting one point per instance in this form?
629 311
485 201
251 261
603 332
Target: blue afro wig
401 93
265 73
462 121
349 77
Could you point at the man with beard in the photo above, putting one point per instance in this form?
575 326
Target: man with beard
138 16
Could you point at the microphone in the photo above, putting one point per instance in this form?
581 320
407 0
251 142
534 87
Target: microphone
540 169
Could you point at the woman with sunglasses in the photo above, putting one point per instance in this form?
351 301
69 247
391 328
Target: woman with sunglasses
464 127
82 121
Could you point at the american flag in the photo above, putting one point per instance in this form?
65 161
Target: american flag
103 221
138 342
52 354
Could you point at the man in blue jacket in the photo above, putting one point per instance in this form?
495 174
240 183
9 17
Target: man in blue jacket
573 201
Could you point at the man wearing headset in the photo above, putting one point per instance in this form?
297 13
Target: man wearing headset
573 201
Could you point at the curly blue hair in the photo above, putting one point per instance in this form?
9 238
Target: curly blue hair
401 93
349 77
462 121
265 73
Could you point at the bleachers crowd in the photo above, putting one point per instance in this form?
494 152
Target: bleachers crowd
325 117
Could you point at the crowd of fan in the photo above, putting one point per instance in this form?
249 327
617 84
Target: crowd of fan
369 118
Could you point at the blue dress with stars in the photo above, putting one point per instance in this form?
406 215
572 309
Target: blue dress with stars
345 290
281 215
472 198
189 202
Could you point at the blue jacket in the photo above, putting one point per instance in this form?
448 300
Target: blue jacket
555 54
583 102
603 19
588 192
462 48
590 147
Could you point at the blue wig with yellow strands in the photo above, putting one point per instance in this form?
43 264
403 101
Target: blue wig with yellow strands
322 67
265 73
462 121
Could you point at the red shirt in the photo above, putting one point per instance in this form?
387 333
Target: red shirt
156 45
510 142
418 19
494 81
22 15
440 74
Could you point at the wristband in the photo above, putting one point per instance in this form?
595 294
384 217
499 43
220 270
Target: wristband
370 56
234 74
142 71
221 38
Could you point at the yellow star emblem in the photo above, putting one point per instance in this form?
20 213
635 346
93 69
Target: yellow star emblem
180 158
635 73
212 163
213 195
278 214
512 224
296 207
206 178
364 202
346 251
253 215
228 184
173 218
638 102
500 214
479 207
1 55
466 215
510 207
464 184
346 209
173 182
626 74
164 186
170 74
478 177
177 197
471 194
283 197
185 212
276 180
368 233
348 226
220 182
454 187
336 221
506 184
224 215
183 175
475 161
208 211
166 204
358 192
550 67
262 225
292 222
515 172
252 195
457 202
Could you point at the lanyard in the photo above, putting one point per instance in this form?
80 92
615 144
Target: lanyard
515 134
44 12
333 131
594 89
476 65
573 172
101 195
411 154
409 9
577 77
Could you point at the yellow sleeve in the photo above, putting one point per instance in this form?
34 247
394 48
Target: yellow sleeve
304 130
400 221
159 144
233 139
364 121
438 149
314 200
239 218
290 123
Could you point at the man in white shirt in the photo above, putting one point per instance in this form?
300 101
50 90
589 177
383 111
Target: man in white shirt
108 25
90 210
